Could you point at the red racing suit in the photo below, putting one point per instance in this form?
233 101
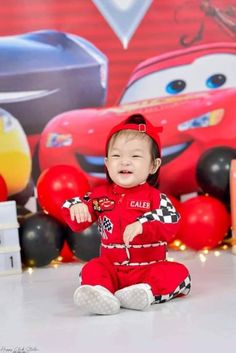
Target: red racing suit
144 259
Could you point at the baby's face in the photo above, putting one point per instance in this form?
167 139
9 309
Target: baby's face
129 160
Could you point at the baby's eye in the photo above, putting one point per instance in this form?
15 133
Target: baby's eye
136 156
115 155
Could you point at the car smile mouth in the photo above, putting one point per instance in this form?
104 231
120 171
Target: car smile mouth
94 165
171 152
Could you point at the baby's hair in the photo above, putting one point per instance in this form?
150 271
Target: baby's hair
155 152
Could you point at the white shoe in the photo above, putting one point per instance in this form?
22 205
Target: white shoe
96 300
137 297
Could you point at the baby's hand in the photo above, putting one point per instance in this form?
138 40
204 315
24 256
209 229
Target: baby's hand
80 213
131 231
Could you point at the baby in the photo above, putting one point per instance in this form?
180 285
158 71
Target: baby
135 220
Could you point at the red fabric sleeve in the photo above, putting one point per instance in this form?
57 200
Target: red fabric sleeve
156 230
74 225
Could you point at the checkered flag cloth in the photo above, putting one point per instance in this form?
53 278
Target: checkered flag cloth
183 288
70 202
100 228
104 224
107 224
165 214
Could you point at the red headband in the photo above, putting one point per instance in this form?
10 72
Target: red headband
146 128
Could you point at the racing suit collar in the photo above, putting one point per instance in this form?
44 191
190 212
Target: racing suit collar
116 189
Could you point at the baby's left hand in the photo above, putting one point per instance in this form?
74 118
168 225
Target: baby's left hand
131 231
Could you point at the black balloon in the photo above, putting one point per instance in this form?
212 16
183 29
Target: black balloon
41 239
86 244
213 171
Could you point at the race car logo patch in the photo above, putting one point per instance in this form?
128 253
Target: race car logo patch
103 204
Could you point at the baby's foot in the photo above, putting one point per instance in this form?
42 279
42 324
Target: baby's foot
137 297
96 300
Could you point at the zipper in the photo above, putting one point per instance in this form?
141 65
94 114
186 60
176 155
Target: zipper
121 198
119 202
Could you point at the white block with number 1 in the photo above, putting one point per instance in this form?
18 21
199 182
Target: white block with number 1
10 260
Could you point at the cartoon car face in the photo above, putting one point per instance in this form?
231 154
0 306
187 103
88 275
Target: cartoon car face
193 120
15 158
47 72
201 68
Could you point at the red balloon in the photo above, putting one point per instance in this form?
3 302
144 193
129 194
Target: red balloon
3 189
205 222
58 183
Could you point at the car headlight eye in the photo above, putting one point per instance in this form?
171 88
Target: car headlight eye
206 120
55 139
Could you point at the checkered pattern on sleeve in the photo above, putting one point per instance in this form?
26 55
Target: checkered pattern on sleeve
70 202
166 213
183 289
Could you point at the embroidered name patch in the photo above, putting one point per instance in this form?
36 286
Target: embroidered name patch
141 204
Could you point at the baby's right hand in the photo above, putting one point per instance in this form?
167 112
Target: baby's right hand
80 213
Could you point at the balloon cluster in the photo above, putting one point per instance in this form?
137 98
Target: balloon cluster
43 236
205 219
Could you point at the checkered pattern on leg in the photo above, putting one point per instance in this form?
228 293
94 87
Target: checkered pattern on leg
183 288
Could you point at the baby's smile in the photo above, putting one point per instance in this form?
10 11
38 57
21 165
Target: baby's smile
124 171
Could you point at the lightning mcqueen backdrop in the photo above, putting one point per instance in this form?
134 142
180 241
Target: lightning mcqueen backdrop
70 70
